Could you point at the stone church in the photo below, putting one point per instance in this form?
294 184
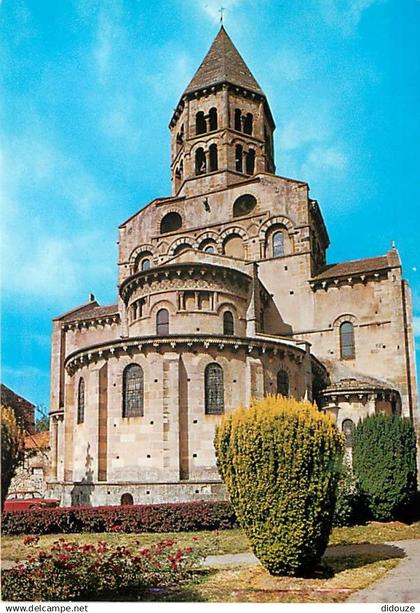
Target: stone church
224 294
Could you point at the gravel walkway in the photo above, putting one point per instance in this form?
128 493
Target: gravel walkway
401 584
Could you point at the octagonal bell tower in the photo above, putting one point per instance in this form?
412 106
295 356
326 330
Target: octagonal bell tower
222 129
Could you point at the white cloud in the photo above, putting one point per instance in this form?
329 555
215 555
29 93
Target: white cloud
43 193
287 65
324 159
303 129
416 326
344 15
108 40
211 8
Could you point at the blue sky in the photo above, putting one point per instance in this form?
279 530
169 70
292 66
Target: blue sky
88 89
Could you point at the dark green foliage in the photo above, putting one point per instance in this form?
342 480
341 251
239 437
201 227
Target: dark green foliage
384 464
348 504
280 461
12 449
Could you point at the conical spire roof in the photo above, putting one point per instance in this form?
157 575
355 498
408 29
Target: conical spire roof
223 63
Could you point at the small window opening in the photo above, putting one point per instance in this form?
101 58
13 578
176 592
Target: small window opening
347 347
213 119
278 244
228 324
239 158
127 499
162 322
238 115
347 428
200 161
283 383
170 223
250 162
133 391
248 121
81 402
213 157
214 389
200 123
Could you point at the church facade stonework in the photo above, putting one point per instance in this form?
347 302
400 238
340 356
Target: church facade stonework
224 295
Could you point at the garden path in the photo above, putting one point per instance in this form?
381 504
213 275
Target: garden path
401 584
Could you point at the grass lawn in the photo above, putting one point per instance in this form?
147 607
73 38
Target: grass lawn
334 581
225 541
254 584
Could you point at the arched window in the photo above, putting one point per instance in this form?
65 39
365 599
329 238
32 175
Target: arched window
228 324
213 157
347 428
180 136
244 205
170 223
250 162
239 152
213 119
200 161
182 247
145 264
234 246
200 123
214 390
126 499
283 383
162 322
278 244
81 402
238 115
248 123
133 391
209 249
347 349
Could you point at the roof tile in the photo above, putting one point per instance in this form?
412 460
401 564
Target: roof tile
222 64
353 267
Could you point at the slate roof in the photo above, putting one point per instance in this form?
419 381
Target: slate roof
90 311
353 267
366 383
345 378
223 64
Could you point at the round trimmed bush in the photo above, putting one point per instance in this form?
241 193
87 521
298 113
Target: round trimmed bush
384 463
280 460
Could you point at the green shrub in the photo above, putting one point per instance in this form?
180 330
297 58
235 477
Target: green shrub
280 460
348 505
12 449
384 463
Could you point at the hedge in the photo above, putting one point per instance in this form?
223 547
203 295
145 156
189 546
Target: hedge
179 517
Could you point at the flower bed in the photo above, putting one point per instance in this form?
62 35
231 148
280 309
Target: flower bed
181 517
69 571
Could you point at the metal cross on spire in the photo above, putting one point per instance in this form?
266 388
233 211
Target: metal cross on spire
221 11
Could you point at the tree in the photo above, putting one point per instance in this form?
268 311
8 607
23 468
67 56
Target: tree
280 460
42 421
12 449
384 464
